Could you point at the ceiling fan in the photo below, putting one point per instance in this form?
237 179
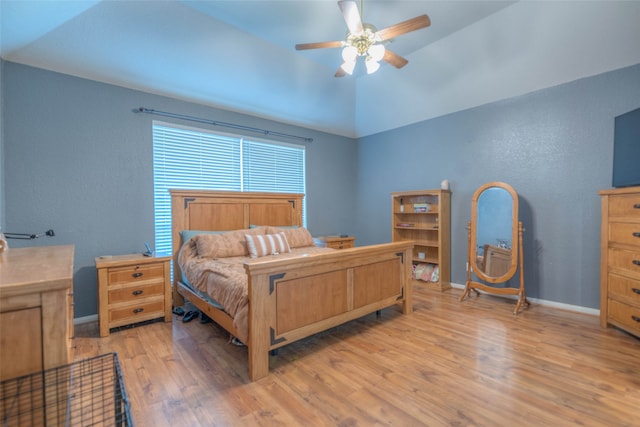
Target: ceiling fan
365 40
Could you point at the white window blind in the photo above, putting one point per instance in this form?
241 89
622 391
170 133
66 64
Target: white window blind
189 158
266 167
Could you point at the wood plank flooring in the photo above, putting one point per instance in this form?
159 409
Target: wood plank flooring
447 364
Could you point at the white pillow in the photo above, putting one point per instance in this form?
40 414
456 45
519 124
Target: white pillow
267 244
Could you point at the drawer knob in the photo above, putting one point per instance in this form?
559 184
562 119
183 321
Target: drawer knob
137 292
636 290
636 318
136 275
636 262
636 234
138 310
636 206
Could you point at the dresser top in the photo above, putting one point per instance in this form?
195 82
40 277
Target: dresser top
622 190
35 269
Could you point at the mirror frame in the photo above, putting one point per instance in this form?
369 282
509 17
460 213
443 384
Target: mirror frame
473 250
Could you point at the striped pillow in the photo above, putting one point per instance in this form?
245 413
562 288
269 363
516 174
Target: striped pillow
267 244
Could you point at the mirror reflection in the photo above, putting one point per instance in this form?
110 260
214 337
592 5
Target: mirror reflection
494 231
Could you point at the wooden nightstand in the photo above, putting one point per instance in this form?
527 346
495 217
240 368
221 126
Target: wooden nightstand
335 242
132 288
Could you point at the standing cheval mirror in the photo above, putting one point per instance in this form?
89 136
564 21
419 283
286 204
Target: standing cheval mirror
495 243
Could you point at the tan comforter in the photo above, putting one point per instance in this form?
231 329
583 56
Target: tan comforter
225 280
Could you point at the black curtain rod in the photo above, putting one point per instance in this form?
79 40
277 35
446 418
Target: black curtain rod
215 123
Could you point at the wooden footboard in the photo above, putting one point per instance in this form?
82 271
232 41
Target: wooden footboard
291 299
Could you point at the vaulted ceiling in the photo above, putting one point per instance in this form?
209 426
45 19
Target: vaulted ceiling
239 55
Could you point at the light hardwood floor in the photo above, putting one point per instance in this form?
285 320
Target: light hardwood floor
447 364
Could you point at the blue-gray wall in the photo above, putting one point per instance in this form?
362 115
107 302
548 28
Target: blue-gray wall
2 204
554 146
76 159
79 161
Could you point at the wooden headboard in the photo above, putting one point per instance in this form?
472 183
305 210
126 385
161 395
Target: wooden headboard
230 210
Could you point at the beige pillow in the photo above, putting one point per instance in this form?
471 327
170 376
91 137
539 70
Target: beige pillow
231 243
297 237
267 244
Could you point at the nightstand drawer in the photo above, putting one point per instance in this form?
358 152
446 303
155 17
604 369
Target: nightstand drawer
625 233
135 273
135 292
145 310
625 315
340 244
335 242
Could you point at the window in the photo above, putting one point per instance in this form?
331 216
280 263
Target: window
188 158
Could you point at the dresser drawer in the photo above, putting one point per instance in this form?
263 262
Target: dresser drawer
625 233
135 291
621 259
625 315
135 273
623 287
624 205
145 310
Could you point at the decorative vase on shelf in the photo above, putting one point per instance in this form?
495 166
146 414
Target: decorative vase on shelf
4 246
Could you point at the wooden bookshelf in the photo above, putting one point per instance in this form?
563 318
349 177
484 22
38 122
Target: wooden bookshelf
424 216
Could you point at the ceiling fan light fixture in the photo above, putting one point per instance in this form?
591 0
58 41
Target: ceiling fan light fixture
349 54
364 39
376 52
348 66
372 66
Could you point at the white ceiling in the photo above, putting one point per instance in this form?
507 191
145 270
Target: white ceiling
239 55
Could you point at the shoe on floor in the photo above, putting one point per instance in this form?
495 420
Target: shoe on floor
190 315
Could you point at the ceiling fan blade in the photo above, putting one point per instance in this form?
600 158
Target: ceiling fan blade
351 16
404 27
340 72
394 59
318 45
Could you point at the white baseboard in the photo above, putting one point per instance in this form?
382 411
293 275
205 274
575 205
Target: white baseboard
570 307
85 319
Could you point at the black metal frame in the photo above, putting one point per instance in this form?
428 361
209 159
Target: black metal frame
83 393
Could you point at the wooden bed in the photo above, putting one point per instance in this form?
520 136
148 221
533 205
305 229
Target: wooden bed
292 298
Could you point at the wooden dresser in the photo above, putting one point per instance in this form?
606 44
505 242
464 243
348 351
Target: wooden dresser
620 259
36 309
131 289
496 260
